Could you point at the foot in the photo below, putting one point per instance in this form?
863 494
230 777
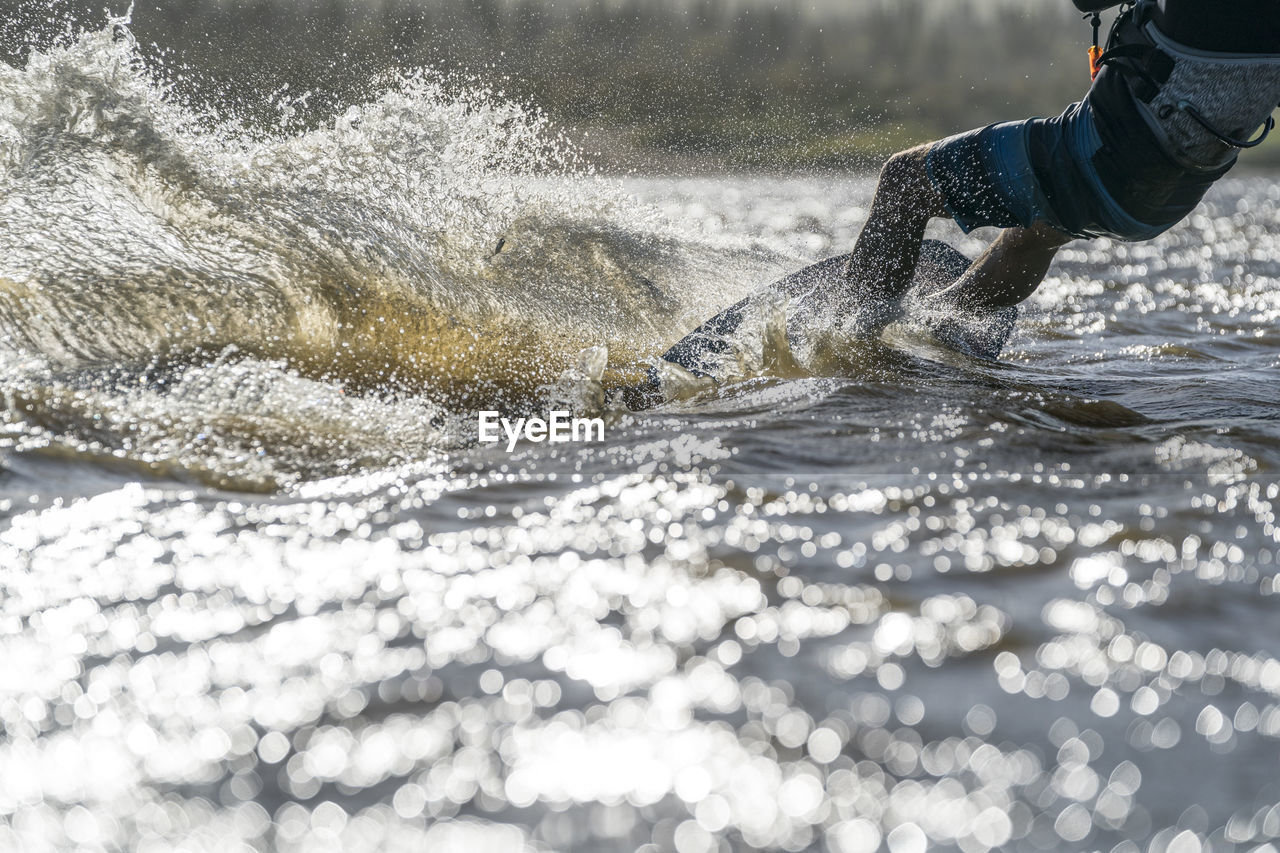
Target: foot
867 316
981 334
867 309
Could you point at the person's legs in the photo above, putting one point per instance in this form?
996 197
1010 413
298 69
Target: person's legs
885 255
887 251
1009 270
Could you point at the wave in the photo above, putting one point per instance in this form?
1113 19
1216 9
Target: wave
434 241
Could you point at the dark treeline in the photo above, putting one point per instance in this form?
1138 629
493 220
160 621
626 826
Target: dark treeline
720 85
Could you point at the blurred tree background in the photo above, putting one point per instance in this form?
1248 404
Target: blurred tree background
642 83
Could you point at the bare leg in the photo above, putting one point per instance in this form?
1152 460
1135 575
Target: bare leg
885 256
1009 270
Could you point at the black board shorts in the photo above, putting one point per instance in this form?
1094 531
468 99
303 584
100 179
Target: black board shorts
1081 173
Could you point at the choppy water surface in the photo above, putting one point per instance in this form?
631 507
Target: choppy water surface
262 590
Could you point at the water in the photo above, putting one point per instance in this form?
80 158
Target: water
262 589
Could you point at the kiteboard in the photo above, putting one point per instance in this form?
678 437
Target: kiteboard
980 335
697 352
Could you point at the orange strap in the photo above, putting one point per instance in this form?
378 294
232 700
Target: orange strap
1095 53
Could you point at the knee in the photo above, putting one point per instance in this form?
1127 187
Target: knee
906 169
1044 236
905 187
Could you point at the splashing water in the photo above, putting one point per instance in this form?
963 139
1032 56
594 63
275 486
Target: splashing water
435 243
